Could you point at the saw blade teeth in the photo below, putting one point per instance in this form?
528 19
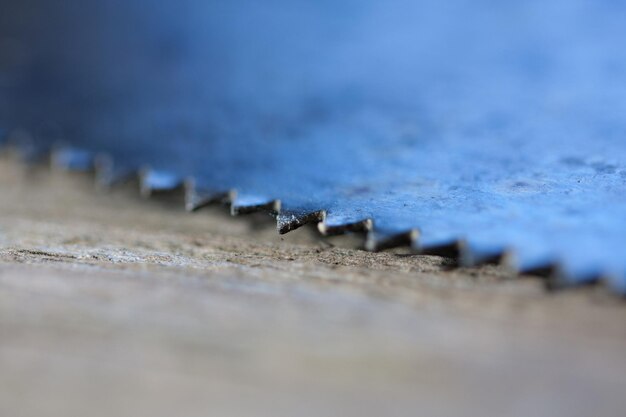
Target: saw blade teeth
288 220
246 204
197 197
154 182
72 160
377 241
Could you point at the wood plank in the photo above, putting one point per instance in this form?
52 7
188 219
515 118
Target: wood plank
110 305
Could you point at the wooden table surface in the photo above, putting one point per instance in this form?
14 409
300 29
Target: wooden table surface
115 306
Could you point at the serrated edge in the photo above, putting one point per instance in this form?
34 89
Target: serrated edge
196 198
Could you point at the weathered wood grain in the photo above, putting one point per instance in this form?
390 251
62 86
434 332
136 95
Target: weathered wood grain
110 305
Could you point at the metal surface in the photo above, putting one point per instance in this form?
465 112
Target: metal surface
488 130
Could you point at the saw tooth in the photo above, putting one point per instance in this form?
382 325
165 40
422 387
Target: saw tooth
471 255
545 267
70 159
539 264
561 279
288 220
154 182
376 241
246 204
109 174
555 277
197 197
362 226
545 271
446 249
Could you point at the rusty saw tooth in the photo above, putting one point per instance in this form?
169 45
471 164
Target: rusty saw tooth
376 241
153 182
109 173
70 159
246 204
198 197
288 220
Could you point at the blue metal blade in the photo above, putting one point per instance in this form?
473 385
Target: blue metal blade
500 125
